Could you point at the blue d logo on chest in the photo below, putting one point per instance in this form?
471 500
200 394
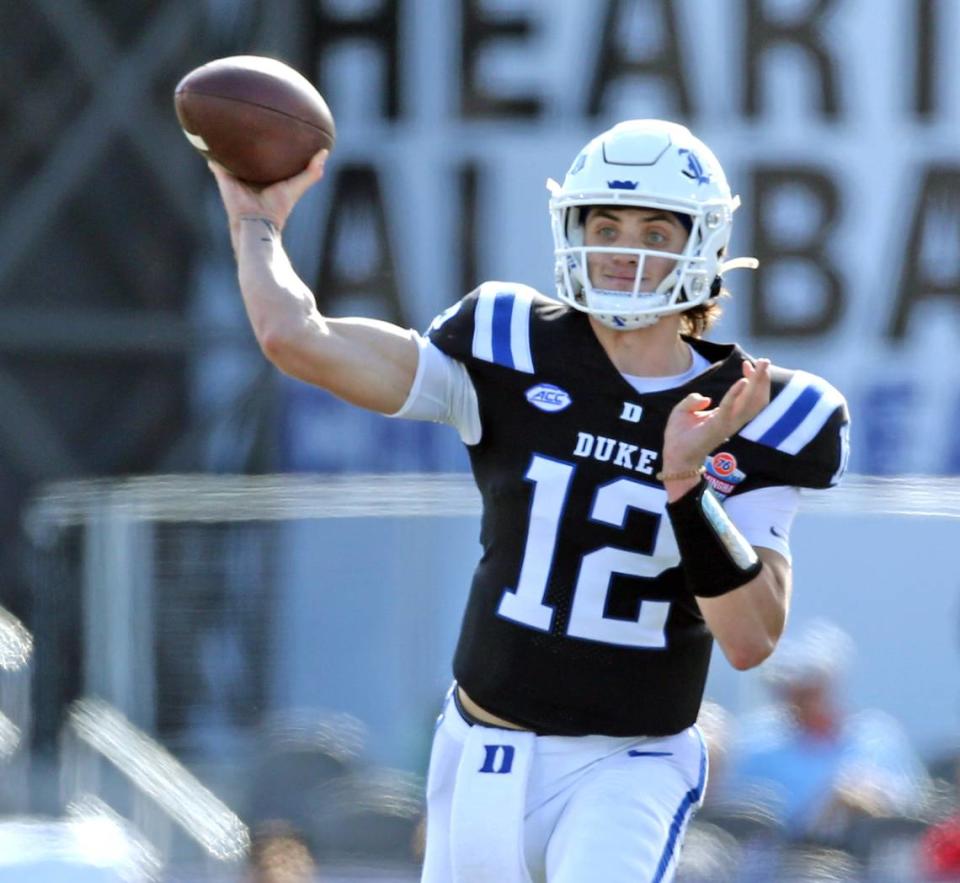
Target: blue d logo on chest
491 757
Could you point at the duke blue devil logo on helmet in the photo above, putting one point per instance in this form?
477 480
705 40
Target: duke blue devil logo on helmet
548 397
694 167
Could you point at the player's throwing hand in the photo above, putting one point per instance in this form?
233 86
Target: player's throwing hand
273 203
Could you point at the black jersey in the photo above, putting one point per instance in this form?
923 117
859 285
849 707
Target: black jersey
579 620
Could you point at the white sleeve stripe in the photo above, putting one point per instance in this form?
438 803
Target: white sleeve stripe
776 409
520 333
483 326
810 425
796 415
501 328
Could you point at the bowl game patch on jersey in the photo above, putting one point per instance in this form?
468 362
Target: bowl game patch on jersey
722 473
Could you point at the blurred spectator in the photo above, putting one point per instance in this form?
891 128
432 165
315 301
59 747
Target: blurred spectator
815 765
716 725
940 846
279 853
940 850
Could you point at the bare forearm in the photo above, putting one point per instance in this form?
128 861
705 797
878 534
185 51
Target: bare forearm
368 363
277 301
363 361
749 621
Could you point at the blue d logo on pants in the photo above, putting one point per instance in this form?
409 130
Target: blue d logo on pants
490 760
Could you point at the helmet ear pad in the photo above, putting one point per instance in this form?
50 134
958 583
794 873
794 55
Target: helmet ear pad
576 223
575 230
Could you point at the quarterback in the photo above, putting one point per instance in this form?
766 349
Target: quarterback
638 485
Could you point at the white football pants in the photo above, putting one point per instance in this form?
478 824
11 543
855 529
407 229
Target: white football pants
511 807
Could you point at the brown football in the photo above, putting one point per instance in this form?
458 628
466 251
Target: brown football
256 116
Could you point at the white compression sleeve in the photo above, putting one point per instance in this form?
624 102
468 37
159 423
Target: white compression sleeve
442 392
765 516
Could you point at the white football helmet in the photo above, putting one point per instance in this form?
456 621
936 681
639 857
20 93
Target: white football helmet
644 164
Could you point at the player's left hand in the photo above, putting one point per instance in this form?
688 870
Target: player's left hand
694 429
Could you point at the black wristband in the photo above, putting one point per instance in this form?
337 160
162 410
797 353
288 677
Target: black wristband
715 556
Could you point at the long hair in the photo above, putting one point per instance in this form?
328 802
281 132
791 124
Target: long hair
700 319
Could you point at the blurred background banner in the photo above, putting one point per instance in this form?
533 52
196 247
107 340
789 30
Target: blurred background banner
124 345
124 350
837 122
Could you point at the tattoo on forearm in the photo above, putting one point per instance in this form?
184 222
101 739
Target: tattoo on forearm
272 229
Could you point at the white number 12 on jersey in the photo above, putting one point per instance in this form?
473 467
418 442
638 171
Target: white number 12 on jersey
525 604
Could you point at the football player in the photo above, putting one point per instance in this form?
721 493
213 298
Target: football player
638 485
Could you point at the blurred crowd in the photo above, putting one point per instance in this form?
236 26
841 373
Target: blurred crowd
809 786
812 787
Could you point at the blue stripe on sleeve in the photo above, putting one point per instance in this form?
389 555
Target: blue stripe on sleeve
502 315
794 415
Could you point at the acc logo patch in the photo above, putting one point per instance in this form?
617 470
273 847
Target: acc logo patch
548 397
722 472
